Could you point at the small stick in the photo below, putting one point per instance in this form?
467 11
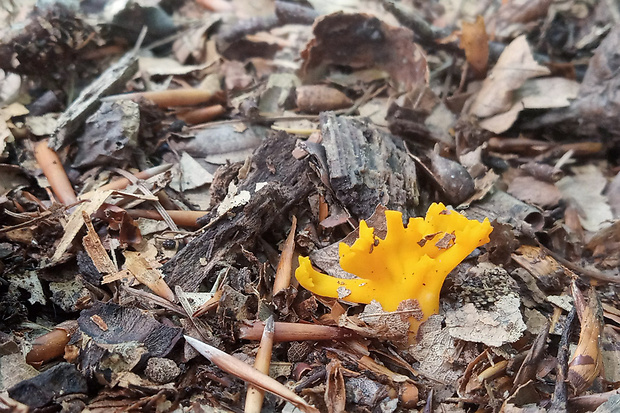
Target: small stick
255 396
285 266
295 332
206 114
245 372
168 98
53 170
158 206
181 218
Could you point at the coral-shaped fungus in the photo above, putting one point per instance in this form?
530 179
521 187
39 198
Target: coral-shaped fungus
411 263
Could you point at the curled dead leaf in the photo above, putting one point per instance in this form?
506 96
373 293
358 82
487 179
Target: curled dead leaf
587 361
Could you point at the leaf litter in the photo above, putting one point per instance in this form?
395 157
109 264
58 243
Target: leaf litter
165 164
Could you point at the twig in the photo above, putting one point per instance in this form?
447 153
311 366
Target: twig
51 345
167 98
181 218
44 216
245 372
158 206
201 115
296 332
255 396
53 170
122 183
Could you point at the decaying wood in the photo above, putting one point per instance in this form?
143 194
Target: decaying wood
367 167
111 81
560 394
286 184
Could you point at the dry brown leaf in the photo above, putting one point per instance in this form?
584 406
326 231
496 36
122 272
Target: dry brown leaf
587 362
585 190
533 191
285 266
76 221
362 41
538 263
513 15
475 42
515 65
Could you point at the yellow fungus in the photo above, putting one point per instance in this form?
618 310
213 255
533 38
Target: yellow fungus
411 263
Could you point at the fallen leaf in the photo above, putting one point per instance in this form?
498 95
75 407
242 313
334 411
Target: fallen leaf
363 41
533 191
515 65
585 190
475 42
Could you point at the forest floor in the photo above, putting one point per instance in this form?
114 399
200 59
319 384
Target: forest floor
360 206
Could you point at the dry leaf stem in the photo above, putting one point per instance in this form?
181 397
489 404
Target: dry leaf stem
210 304
122 183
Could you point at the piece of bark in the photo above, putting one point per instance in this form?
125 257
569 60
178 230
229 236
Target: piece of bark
286 185
367 167
527 371
110 135
95 250
507 209
110 323
111 81
409 124
62 379
560 394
